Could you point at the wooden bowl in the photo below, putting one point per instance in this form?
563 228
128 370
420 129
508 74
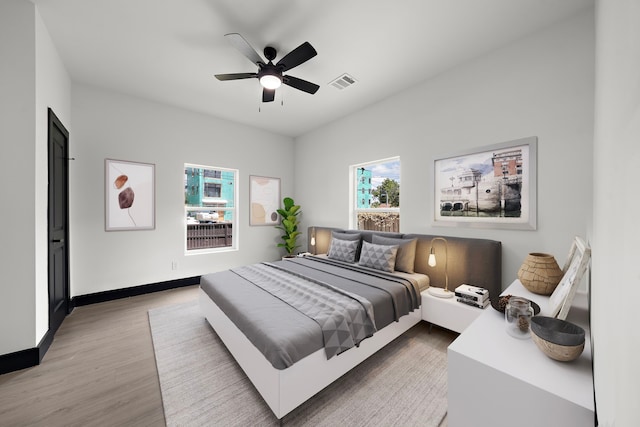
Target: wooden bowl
558 339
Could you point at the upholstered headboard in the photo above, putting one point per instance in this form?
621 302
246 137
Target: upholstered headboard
471 261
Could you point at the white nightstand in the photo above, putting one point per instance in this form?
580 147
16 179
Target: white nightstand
448 312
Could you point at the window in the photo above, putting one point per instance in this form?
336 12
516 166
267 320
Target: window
210 208
212 190
379 181
210 173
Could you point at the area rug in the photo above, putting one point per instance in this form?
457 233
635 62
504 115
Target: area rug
404 384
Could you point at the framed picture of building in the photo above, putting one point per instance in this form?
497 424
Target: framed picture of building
264 200
129 195
490 187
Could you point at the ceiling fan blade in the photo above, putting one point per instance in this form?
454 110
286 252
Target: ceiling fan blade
297 56
268 95
236 76
244 47
300 84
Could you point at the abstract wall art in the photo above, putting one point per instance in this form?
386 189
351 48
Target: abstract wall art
129 195
264 195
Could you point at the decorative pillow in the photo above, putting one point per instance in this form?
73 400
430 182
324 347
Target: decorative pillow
345 236
343 250
405 259
380 257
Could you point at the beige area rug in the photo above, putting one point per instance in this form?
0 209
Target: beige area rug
404 384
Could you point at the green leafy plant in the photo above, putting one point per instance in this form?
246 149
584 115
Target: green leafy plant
289 224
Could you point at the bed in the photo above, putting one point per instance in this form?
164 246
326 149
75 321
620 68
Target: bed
297 325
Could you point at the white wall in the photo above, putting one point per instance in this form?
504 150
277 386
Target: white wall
615 227
17 121
53 90
32 78
110 125
541 85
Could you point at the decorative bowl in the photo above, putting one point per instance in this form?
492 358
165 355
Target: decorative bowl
558 339
540 273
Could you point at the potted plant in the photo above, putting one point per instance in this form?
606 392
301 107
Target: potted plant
289 224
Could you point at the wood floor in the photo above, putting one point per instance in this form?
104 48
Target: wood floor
100 369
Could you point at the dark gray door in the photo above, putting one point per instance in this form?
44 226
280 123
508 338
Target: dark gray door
58 222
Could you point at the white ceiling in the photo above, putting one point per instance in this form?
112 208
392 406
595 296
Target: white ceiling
169 50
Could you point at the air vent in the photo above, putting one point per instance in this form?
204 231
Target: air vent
343 82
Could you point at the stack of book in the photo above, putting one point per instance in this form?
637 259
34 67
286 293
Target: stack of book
473 296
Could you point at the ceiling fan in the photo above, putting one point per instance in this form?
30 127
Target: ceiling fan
270 74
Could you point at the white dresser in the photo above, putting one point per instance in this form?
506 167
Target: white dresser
497 380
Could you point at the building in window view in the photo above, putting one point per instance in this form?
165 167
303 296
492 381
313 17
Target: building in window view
376 195
210 188
363 188
209 197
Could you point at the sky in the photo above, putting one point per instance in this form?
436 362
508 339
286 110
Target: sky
380 171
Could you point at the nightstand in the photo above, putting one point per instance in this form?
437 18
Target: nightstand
448 312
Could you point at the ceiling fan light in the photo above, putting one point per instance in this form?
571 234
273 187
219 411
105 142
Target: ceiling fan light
269 81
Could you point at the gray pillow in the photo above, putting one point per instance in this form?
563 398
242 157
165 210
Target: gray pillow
380 257
343 250
345 236
405 260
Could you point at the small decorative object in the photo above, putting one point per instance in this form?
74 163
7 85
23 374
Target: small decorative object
289 225
501 304
574 268
517 315
540 273
557 338
435 291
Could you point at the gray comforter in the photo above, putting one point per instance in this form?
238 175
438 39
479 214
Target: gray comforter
282 332
345 318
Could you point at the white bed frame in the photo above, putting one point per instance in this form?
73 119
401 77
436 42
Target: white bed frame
286 389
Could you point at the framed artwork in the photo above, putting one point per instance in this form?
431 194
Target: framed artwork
574 268
264 200
129 195
489 187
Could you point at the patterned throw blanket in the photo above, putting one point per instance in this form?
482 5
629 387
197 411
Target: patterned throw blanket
345 318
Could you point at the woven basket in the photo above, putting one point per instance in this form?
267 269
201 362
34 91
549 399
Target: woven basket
540 273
